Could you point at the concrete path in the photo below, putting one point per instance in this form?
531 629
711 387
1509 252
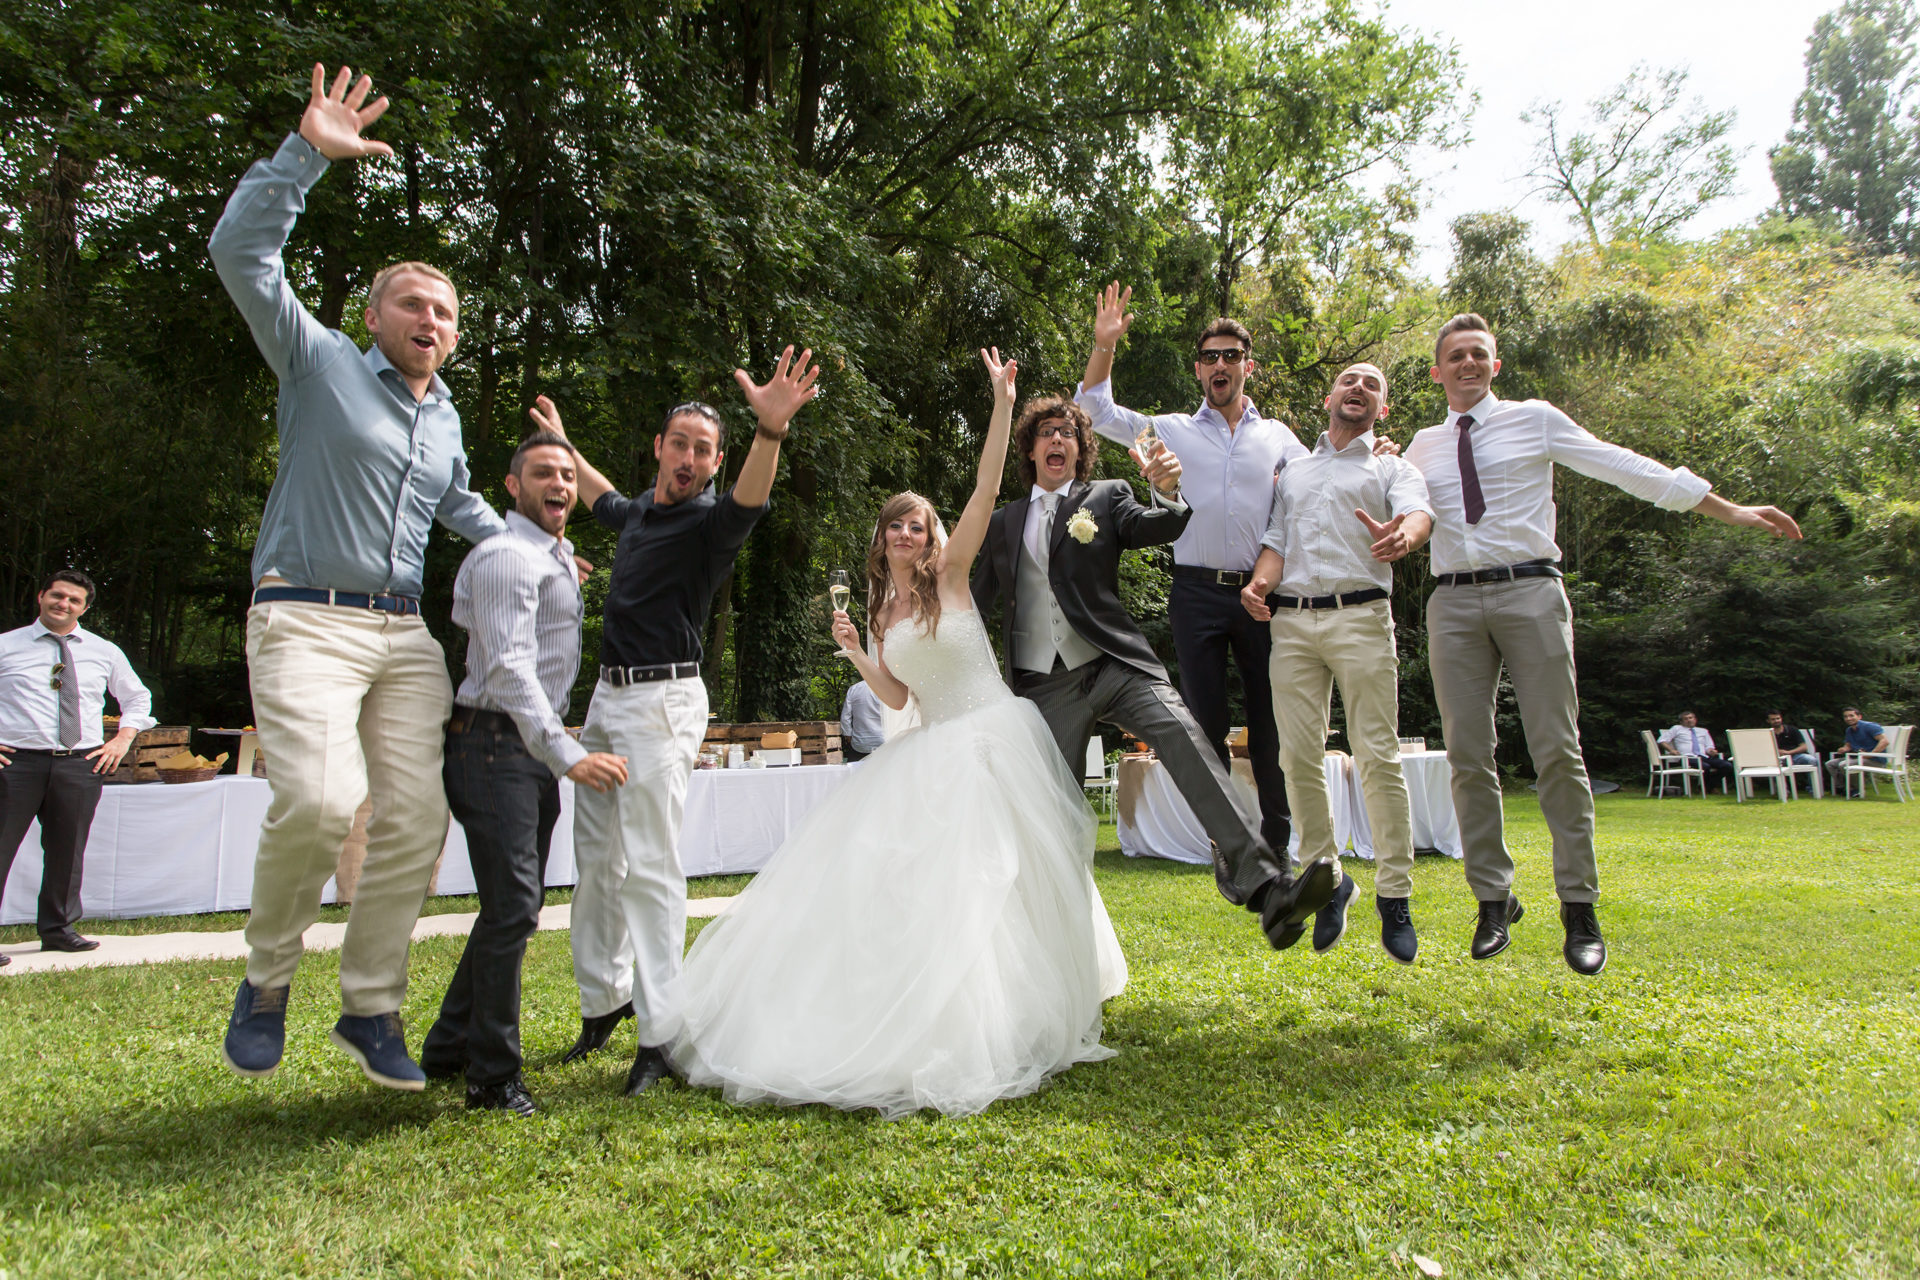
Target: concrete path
158 948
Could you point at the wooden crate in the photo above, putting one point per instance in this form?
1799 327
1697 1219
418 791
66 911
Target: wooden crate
148 750
814 735
822 757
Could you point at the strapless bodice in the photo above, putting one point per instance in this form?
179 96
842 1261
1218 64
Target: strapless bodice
951 672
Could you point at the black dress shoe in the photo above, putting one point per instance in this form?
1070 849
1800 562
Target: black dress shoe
1586 950
1491 936
650 1067
1283 916
594 1033
68 941
510 1096
5 960
440 1069
1330 922
1396 929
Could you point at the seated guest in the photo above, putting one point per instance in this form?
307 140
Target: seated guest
861 728
54 676
1793 744
1863 737
1690 742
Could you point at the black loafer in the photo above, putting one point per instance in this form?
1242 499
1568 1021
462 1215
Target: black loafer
510 1096
1585 949
68 941
650 1067
1330 922
1283 916
594 1033
1491 936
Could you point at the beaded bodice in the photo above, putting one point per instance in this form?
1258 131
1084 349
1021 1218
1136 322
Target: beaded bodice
952 672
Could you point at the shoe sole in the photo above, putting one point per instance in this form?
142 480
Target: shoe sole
1345 884
239 1070
347 1047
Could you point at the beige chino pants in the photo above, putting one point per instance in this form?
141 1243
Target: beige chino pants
349 703
1312 648
1526 624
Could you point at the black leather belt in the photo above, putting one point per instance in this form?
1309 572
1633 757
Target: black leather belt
49 751
404 605
1235 578
1505 573
1327 602
620 677
474 720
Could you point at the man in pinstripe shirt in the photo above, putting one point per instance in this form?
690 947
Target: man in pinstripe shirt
518 598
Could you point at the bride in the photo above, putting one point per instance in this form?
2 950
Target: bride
930 935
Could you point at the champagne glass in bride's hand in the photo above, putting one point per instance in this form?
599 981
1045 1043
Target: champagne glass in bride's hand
840 590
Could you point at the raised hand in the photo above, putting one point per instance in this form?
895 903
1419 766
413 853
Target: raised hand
1162 470
1002 373
1390 541
334 120
790 387
1110 317
546 416
845 634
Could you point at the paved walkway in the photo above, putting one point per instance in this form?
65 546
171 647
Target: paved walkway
158 948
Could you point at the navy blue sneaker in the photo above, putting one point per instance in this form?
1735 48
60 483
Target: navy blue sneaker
379 1045
1330 922
257 1031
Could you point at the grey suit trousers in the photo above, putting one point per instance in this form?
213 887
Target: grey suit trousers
1109 690
1527 624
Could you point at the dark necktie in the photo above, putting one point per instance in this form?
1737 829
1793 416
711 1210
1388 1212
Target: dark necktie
1476 501
69 695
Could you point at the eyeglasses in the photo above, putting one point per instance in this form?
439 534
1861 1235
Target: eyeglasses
1214 355
53 681
1057 430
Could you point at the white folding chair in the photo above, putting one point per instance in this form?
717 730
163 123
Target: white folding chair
1099 781
1892 764
1813 771
1755 756
1661 766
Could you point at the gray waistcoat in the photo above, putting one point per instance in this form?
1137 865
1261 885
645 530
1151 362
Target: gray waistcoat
1040 629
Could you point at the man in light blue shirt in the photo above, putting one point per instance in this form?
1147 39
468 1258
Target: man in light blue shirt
350 692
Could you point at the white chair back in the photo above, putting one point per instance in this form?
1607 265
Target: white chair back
1653 748
1096 770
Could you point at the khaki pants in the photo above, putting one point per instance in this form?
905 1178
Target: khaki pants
1312 648
1527 624
630 907
349 703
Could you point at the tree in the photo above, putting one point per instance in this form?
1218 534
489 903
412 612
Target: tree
1626 179
1853 152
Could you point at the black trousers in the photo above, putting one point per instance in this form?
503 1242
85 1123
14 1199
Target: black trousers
63 792
1211 626
508 802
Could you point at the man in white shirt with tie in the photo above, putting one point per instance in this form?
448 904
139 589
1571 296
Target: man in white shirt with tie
1341 516
1690 742
1489 470
54 677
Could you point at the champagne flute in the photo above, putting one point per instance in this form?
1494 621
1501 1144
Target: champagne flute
1146 439
840 588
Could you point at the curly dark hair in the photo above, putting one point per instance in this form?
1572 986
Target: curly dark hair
1042 409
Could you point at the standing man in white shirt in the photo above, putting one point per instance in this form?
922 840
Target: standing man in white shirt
1690 742
1341 516
54 677
518 598
1228 454
1489 470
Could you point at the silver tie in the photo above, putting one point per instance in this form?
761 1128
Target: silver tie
1048 506
69 694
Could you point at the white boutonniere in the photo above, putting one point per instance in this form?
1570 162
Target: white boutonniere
1081 528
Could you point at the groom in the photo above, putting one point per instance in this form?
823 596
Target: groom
1075 652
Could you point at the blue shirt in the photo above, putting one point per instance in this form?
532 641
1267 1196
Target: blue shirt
1863 735
364 470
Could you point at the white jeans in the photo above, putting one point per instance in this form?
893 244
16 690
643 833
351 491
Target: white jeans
630 907
349 702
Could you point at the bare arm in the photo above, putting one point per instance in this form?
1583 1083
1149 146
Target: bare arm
774 405
1771 519
885 685
1110 324
1266 571
956 562
590 484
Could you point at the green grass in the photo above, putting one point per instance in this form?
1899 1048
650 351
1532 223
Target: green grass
1734 1096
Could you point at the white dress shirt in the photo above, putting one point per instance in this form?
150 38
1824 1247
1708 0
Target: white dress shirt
1515 446
1326 548
30 706
1226 473
518 598
1688 742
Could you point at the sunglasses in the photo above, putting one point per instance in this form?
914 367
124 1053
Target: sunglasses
1232 355
53 681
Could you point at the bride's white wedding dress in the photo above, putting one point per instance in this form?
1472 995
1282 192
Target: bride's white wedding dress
930 935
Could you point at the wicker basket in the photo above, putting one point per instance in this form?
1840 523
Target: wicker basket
188 775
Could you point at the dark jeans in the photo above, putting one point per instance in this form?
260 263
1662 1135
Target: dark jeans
508 802
63 792
1210 625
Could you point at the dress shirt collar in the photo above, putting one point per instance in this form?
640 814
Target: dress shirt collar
1249 414
37 628
1362 443
521 527
1480 412
1039 494
378 362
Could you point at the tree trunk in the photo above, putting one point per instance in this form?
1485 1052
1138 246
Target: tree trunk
806 103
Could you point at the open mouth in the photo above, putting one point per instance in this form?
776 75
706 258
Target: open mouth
422 344
556 507
683 477
1056 459
1221 382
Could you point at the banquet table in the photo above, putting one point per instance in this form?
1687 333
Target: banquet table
157 849
1154 821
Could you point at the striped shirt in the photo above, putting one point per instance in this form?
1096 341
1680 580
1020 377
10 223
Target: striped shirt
518 599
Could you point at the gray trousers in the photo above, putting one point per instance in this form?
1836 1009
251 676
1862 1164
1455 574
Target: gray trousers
1527 624
1109 690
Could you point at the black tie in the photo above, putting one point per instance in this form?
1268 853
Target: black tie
1469 474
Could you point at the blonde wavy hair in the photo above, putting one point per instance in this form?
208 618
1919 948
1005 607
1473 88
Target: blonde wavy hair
924 578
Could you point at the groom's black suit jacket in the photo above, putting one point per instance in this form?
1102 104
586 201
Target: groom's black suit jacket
1085 577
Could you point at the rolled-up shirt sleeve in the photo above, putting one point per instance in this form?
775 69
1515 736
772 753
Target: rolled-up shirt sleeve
504 595
1275 538
135 699
1407 490
1573 446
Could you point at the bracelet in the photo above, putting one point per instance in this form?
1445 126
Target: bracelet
1109 350
764 434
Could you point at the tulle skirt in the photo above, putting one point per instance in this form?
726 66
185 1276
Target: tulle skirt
929 937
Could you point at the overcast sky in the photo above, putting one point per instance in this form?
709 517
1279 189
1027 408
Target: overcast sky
1748 56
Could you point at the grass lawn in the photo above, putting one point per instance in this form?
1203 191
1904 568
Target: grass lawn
1735 1095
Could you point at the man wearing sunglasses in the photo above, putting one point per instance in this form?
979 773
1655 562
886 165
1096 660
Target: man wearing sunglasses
54 676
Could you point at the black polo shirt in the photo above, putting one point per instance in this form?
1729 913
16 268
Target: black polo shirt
1790 741
670 559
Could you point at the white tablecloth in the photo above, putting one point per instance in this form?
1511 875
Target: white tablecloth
156 849
1162 825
